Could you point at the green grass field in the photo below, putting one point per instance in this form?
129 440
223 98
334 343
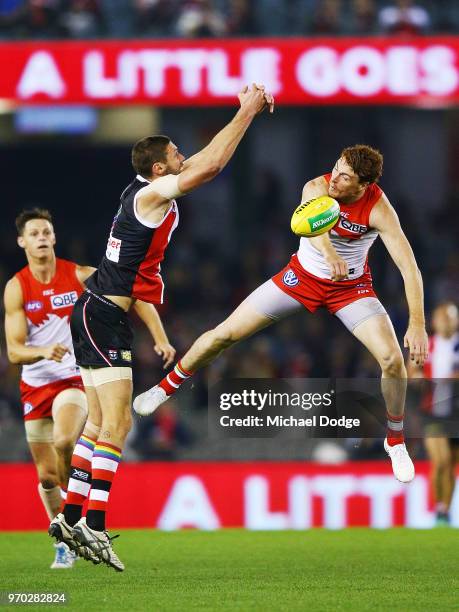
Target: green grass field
356 569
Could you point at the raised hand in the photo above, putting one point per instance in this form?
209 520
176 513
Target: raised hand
256 99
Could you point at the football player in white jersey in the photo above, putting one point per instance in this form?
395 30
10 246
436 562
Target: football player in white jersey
38 302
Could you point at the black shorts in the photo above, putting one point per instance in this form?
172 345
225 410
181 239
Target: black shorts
101 334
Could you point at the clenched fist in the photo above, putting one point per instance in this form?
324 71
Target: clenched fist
55 352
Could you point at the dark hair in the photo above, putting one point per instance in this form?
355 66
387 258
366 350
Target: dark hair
366 162
147 151
28 215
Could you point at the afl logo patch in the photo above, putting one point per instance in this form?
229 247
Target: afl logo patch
290 279
34 306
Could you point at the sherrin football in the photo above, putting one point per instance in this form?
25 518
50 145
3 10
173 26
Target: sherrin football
315 217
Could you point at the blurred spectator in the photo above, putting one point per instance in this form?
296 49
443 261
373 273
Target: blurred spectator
42 19
327 17
363 17
241 19
155 17
200 19
82 19
160 436
404 18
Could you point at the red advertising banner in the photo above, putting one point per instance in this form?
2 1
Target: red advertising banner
262 495
422 71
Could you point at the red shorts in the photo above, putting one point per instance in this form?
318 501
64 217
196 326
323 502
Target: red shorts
314 292
37 402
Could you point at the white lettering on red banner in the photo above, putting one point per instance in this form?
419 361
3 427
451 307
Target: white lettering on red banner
269 496
296 71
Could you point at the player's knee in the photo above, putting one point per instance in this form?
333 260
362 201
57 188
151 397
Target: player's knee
119 426
392 365
48 477
441 464
64 445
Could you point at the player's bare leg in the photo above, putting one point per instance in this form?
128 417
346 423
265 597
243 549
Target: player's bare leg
68 423
79 483
115 406
378 335
241 324
45 458
442 476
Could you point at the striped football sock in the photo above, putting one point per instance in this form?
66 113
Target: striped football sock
80 479
104 465
395 430
174 379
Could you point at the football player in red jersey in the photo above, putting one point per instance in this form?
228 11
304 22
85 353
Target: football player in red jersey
332 271
38 302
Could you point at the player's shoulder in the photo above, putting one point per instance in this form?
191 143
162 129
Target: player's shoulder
13 291
314 188
321 180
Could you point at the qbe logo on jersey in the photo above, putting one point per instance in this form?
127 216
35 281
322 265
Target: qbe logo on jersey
63 300
113 249
290 279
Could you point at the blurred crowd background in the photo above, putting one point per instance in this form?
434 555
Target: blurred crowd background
75 19
234 233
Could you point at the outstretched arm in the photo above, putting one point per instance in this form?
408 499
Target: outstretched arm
337 265
16 331
206 164
209 162
149 315
384 218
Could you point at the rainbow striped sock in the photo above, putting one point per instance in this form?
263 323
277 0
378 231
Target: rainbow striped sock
105 462
80 479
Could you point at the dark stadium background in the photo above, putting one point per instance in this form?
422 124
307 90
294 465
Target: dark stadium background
234 233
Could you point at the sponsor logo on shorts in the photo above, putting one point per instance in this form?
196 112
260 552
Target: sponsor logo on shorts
63 300
79 474
126 355
27 408
290 279
33 306
112 354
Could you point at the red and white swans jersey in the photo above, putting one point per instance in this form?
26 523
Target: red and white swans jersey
351 237
47 308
